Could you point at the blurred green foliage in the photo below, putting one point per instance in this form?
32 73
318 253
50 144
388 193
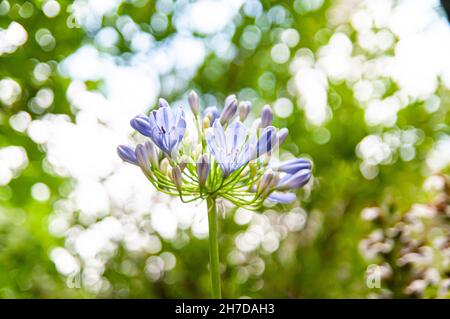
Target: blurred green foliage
322 260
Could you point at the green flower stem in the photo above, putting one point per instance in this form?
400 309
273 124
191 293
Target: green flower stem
213 248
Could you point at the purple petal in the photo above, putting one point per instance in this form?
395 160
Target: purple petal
235 136
180 124
163 103
164 118
219 136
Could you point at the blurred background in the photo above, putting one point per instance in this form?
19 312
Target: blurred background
362 85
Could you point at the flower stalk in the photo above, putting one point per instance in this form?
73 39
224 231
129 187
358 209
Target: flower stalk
214 261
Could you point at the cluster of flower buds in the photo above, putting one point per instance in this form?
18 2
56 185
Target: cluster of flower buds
413 248
217 155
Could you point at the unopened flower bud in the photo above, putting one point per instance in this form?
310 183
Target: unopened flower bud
282 135
229 110
163 103
203 169
244 110
176 177
127 154
183 162
292 166
193 102
164 166
152 153
296 180
266 116
265 183
142 158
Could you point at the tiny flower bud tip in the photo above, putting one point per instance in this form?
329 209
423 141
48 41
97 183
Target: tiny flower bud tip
193 102
229 110
266 116
282 135
244 110
183 162
162 103
176 177
203 169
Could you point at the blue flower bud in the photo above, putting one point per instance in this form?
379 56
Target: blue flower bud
176 177
152 152
229 110
193 102
163 103
127 154
244 110
142 157
203 169
141 124
292 166
267 141
282 135
266 116
267 182
296 180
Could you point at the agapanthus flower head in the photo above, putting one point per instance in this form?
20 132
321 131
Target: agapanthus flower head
216 156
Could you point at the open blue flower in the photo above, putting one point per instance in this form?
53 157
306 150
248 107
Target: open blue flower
164 126
230 148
